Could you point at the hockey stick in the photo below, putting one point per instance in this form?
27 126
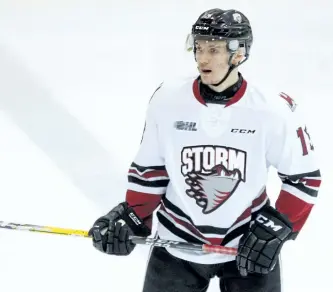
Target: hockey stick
135 239
43 229
184 245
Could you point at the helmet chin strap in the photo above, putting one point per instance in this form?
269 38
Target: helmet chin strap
231 67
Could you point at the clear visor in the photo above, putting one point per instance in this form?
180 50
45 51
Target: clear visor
192 38
233 44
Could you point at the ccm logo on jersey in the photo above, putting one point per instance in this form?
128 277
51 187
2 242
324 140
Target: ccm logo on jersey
243 131
212 173
268 223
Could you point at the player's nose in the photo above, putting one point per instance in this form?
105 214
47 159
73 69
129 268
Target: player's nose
203 59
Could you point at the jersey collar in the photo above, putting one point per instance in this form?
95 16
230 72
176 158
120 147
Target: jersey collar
239 94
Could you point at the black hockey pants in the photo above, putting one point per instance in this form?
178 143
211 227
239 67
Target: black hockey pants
166 273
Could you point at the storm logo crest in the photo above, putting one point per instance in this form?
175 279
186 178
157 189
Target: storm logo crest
212 174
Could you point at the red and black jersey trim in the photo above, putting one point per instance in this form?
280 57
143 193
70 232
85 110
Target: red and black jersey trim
145 168
148 176
243 228
153 184
296 209
248 215
176 231
236 232
202 228
181 225
307 183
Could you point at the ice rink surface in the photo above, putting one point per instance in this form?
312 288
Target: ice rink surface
75 80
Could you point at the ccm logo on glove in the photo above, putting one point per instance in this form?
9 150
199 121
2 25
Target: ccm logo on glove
134 218
268 223
260 246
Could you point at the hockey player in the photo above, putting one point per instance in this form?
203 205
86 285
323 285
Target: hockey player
203 161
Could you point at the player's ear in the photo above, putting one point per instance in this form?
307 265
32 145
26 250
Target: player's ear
238 57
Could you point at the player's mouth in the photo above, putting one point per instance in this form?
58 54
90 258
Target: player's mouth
205 71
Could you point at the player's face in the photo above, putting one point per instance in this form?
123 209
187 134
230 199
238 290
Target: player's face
212 60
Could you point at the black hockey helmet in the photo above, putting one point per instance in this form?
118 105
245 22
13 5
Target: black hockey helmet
229 25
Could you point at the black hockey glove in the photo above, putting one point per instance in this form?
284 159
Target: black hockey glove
259 248
110 233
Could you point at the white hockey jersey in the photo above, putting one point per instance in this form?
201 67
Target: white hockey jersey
205 166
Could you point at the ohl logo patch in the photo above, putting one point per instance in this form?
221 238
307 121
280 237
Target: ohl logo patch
212 174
